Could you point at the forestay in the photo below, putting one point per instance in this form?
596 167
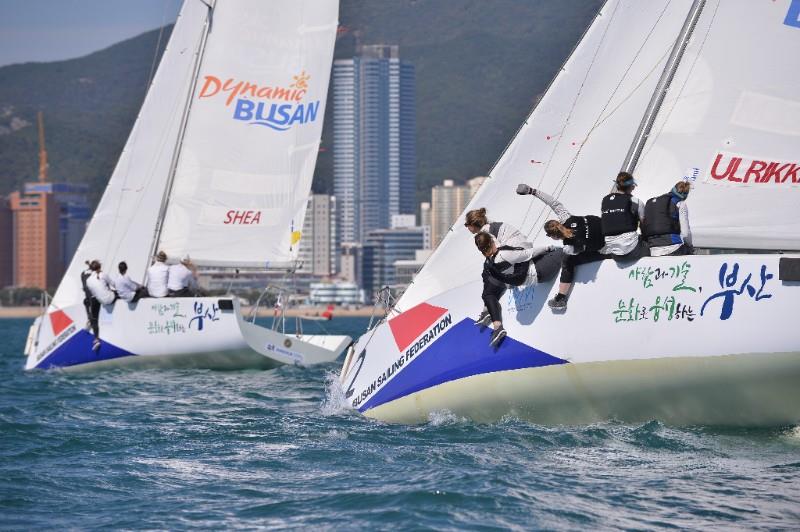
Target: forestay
576 139
246 162
124 222
731 122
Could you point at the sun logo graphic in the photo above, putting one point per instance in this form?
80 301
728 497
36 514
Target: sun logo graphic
278 108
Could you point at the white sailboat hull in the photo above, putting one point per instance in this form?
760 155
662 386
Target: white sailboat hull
601 359
202 332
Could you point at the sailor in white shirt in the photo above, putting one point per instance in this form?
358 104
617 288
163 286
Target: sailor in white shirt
99 286
125 287
182 281
157 276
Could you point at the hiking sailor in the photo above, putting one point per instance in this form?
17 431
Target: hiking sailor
666 222
126 288
620 215
99 286
182 279
582 237
512 266
157 275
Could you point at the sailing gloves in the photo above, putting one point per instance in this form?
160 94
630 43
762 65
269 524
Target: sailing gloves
524 190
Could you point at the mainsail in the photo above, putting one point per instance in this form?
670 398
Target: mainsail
731 122
124 222
247 159
574 142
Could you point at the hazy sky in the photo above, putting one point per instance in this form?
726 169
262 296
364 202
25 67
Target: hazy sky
50 30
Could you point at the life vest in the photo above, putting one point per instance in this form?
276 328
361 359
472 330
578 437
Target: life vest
512 274
587 233
661 216
617 216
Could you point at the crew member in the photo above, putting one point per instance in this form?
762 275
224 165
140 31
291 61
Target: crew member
99 286
126 288
666 222
621 212
182 279
157 276
582 237
513 266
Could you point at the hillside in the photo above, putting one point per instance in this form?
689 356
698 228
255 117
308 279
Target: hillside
480 65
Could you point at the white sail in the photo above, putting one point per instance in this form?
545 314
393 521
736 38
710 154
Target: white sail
574 142
731 122
123 225
247 160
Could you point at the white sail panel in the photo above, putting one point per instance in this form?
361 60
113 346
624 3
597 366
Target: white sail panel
575 141
247 160
731 121
123 225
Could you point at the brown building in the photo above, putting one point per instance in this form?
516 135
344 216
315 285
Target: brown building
36 240
6 244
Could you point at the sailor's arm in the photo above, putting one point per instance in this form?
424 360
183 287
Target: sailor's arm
561 212
686 230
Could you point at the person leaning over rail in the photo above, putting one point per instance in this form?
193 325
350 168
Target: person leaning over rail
666 222
99 286
157 276
620 215
513 266
505 235
582 237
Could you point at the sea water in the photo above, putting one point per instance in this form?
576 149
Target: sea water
256 449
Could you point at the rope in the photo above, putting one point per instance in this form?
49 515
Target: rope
601 118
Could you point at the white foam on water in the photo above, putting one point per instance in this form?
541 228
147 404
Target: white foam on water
438 418
335 402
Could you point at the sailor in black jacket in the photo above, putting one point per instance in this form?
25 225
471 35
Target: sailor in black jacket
666 222
582 237
620 214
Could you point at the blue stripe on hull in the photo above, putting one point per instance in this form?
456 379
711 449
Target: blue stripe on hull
462 351
78 350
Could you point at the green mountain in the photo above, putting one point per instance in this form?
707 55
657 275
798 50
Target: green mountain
480 66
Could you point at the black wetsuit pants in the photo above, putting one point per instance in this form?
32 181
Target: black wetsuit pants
570 262
94 315
493 288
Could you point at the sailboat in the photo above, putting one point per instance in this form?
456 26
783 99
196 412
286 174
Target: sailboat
218 166
667 89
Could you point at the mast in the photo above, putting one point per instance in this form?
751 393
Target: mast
640 139
184 121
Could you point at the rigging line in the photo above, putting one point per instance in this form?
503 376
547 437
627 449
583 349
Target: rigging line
571 110
683 85
601 118
559 188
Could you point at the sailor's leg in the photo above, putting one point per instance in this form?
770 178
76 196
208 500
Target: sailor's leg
548 265
94 315
492 291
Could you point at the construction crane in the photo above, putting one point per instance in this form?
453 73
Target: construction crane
42 151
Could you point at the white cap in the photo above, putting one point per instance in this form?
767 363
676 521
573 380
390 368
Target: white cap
186 258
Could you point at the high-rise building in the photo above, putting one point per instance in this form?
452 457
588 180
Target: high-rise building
448 201
350 262
74 213
374 140
37 246
6 244
382 248
318 250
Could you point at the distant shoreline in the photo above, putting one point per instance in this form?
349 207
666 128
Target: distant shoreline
338 312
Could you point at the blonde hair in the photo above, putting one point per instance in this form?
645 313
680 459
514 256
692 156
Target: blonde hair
476 218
